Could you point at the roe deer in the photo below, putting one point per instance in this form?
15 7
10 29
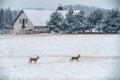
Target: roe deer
75 58
34 59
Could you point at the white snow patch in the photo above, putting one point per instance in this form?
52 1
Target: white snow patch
100 57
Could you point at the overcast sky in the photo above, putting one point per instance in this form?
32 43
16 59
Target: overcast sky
52 4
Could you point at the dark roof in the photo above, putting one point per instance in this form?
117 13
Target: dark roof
17 17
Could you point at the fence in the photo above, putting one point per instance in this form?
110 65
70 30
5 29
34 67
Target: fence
6 31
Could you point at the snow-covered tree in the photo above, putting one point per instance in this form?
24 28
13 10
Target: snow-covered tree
111 21
99 17
69 22
107 21
55 23
80 22
95 19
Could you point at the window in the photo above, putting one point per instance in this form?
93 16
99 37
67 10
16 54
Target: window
23 23
20 21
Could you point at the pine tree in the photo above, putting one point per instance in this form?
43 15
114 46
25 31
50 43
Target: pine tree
99 18
111 22
55 23
81 19
1 18
69 22
8 18
95 19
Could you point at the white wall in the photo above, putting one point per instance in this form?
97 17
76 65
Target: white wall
17 27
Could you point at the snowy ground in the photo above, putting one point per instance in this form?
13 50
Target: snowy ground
100 57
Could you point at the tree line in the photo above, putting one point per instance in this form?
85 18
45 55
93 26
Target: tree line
7 17
97 21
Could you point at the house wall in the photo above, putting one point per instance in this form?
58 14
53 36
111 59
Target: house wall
17 26
40 29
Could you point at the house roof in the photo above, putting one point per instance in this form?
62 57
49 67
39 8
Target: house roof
40 17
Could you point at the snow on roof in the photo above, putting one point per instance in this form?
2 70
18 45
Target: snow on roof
40 17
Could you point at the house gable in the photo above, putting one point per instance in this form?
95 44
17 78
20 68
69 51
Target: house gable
17 17
18 23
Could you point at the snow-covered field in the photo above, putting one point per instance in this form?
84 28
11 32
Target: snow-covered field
100 57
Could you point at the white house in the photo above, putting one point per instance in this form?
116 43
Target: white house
33 21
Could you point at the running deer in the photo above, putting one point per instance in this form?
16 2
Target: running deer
34 59
75 58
